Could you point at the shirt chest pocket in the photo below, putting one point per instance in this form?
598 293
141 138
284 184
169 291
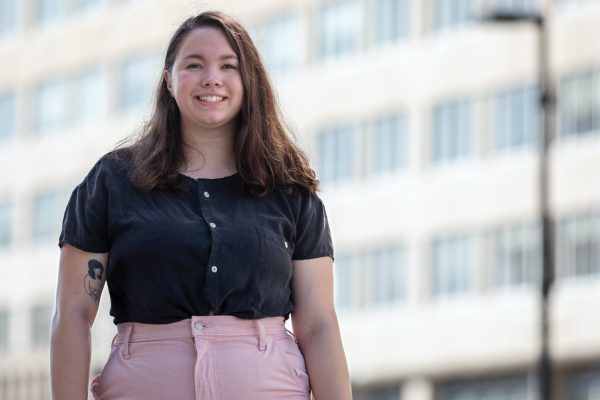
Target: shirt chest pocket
275 256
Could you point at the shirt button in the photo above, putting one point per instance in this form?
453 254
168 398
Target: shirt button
198 325
206 195
214 268
285 244
213 225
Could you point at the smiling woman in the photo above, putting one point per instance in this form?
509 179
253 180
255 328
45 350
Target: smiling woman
209 235
206 84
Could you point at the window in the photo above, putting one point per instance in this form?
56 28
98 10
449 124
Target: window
576 2
8 116
379 392
389 150
5 224
513 6
496 389
282 43
584 385
8 17
451 265
579 104
391 20
86 4
516 256
348 281
89 97
337 154
139 77
4 332
451 13
385 278
48 210
40 325
578 245
50 11
50 112
516 118
340 28
451 131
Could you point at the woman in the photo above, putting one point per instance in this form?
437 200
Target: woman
215 236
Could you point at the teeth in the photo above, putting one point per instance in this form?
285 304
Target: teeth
211 99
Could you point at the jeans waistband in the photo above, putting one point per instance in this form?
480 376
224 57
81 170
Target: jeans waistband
213 325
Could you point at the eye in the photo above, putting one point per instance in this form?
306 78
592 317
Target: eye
194 66
229 66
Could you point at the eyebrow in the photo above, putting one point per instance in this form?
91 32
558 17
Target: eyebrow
223 57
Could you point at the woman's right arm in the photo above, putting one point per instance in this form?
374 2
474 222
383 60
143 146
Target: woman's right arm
81 278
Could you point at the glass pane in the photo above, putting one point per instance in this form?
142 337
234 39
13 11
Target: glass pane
340 27
584 385
283 47
492 389
50 11
4 339
568 106
139 77
5 224
40 325
389 144
90 100
391 20
50 107
452 265
48 210
349 285
8 111
8 16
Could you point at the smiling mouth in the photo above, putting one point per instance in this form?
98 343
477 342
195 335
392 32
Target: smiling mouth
210 99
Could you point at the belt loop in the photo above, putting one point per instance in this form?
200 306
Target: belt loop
292 335
262 344
125 343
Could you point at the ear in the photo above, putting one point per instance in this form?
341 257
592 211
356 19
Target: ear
167 79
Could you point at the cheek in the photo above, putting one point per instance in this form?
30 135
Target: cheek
183 83
239 86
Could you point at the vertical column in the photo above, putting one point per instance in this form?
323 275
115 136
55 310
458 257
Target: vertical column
419 18
418 388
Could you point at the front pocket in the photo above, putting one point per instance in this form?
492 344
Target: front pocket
294 360
275 260
94 386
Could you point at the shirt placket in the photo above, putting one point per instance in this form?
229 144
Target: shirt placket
208 199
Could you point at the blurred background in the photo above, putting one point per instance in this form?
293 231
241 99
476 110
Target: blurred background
424 121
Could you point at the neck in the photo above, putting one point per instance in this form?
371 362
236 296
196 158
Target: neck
208 153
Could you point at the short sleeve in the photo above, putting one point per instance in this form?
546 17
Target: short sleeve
85 223
313 236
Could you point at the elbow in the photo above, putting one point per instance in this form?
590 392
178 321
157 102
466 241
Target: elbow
316 325
65 317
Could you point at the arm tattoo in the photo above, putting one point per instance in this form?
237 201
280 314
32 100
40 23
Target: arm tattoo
93 279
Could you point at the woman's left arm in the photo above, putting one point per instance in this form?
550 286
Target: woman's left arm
317 331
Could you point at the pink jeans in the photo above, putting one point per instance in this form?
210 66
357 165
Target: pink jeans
204 358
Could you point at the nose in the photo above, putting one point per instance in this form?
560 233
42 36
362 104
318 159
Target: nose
212 78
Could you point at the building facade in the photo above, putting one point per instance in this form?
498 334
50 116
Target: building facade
423 124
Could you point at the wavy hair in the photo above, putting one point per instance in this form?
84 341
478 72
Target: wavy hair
265 154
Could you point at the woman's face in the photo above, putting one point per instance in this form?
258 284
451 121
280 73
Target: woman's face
205 81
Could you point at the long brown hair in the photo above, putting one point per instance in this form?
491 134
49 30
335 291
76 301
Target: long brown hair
266 156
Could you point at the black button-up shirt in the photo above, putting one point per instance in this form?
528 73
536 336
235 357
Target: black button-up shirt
174 254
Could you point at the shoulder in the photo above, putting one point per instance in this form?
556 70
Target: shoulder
112 165
304 202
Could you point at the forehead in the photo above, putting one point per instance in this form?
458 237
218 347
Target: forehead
207 42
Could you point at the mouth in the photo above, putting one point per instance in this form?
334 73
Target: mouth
211 99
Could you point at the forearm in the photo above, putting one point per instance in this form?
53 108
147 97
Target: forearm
70 353
326 363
